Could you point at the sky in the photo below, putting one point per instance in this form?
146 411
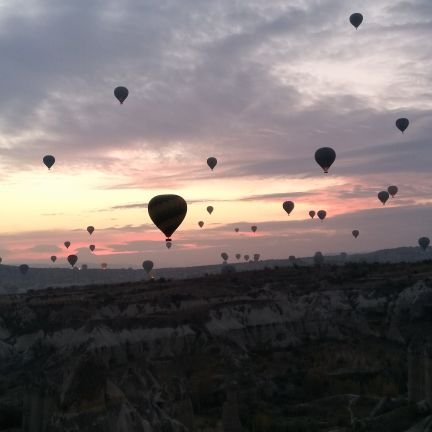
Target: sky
260 85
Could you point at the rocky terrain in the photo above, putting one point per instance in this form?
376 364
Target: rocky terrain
285 349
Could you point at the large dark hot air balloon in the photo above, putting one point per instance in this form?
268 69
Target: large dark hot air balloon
49 161
72 259
92 247
212 162
423 242
147 266
312 214
325 157
23 268
210 209
392 190
121 93
402 124
201 224
355 233
254 228
322 214
90 229
238 256
67 244
356 19
288 206
167 213
383 196
53 258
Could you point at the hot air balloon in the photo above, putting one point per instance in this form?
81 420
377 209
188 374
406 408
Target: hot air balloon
325 157
236 229
167 213
104 266
392 190
355 233
424 242
312 214
292 259
72 259
92 247
121 93
238 256
1 259
256 257
321 214
356 19
53 258
224 256
201 224
67 244
318 259
288 206
246 257
23 268
383 196
168 244
210 209
211 162
49 161
90 229
147 266
402 124
254 228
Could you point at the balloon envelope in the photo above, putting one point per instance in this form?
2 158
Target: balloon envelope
402 124
212 162
92 247
23 268
254 228
67 244
90 229
392 190
356 19
201 224
325 157
288 206
121 93
424 242
72 259
53 258
236 229
355 233
383 196
312 214
210 209
168 244
104 266
246 257
256 257
147 266
167 212
322 214
224 256
238 256
49 161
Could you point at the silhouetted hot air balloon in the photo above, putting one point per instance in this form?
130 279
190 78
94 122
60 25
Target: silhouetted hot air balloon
104 266
383 196
288 206
312 214
246 257
356 19
224 256
1 259
424 242
256 257
49 161
321 214
53 258
318 259
392 190
238 256
325 157
92 247
355 233
168 244
167 213
67 244
147 266
210 209
402 124
292 259
254 228
212 162
72 259
201 224
121 93
23 268
90 229
236 229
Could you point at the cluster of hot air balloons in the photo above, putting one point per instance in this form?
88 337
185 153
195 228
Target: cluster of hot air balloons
383 196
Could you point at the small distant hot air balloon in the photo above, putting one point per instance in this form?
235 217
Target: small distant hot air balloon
321 214
238 256
67 244
1 259
224 256
246 257
383 196
312 214
254 228
167 213
210 209
168 244
424 242
292 259
212 162
392 190
23 268
325 157
72 259
355 233
288 206
236 229
256 257
356 19
92 247
147 266
121 93
53 258
90 229
104 266
318 259
49 161
402 124
201 224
